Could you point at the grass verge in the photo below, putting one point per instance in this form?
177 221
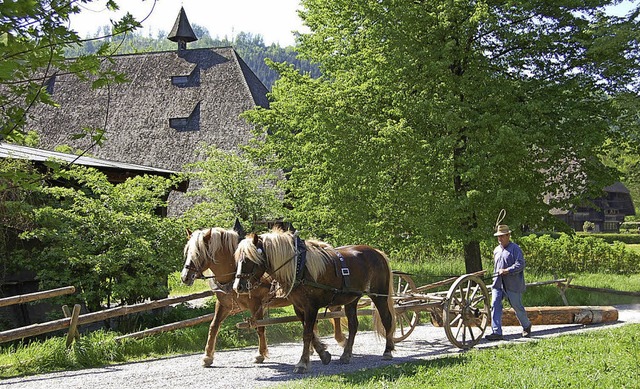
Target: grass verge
608 358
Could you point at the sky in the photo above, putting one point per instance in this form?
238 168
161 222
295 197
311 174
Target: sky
273 19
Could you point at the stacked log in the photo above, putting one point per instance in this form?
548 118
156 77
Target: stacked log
563 315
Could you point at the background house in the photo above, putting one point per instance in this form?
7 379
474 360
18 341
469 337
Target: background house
174 101
607 212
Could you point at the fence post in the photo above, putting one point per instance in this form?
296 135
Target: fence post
73 333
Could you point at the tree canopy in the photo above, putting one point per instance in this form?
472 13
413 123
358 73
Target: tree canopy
432 116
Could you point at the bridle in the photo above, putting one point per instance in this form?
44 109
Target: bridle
251 279
197 275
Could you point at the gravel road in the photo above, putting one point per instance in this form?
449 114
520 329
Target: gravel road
234 368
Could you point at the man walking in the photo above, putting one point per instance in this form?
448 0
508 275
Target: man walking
508 283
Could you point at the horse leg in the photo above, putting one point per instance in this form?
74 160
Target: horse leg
351 310
221 313
308 323
257 313
386 318
337 328
320 347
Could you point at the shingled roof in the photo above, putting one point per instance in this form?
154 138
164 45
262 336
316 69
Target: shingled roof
115 171
173 102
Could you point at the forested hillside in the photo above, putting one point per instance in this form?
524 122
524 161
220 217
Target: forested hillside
250 47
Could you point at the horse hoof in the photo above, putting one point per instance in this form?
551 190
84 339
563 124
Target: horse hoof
387 356
259 359
325 357
345 360
207 361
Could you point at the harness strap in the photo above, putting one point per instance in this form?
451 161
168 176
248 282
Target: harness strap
301 264
344 271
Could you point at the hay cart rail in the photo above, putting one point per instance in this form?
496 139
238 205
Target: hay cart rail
463 310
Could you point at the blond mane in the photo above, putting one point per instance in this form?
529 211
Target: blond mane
203 244
279 247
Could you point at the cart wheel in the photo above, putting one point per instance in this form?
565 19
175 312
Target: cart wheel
406 320
466 311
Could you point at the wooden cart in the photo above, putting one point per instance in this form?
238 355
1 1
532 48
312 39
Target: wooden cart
463 310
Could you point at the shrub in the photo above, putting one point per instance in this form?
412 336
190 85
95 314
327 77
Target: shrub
581 254
106 239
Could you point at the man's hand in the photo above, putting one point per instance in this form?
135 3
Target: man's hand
502 272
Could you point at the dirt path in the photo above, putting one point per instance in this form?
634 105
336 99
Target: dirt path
234 368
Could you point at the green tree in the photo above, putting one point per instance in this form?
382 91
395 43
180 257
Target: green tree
105 239
432 116
230 186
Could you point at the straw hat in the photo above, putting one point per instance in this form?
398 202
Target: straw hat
502 229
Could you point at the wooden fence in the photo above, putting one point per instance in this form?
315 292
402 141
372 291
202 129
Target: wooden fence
73 318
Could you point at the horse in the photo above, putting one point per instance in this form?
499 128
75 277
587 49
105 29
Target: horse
328 276
212 249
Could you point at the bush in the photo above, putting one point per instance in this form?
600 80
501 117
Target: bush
611 238
105 239
581 254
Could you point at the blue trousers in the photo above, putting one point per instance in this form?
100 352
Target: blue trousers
515 299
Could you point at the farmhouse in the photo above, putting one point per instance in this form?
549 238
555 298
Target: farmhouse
174 102
606 213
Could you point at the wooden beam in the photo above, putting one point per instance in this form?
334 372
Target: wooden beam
73 333
167 327
43 328
25 298
563 315
604 290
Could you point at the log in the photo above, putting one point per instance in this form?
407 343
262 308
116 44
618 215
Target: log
563 315
43 328
25 298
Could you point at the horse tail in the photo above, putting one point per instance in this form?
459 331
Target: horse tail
377 321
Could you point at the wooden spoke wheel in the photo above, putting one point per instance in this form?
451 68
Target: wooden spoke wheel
406 320
466 311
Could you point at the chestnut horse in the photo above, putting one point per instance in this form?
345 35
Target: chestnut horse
212 249
330 276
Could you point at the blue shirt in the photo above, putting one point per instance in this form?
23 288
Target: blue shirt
512 259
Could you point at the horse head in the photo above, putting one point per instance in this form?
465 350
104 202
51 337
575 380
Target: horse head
251 264
206 249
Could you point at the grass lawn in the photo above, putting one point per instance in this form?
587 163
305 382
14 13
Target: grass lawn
608 358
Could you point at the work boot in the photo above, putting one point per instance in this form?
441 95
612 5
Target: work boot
493 337
526 332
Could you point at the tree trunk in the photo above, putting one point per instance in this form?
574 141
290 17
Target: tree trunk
472 257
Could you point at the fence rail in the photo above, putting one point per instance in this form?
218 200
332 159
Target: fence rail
55 325
26 298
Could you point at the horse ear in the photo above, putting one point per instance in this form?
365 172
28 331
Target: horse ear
255 239
207 234
237 227
188 233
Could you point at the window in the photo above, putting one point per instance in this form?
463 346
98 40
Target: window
50 84
190 123
191 80
180 80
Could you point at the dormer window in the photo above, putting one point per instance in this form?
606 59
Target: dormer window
191 80
190 123
50 84
180 80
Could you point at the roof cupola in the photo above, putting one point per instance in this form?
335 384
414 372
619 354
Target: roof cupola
182 31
